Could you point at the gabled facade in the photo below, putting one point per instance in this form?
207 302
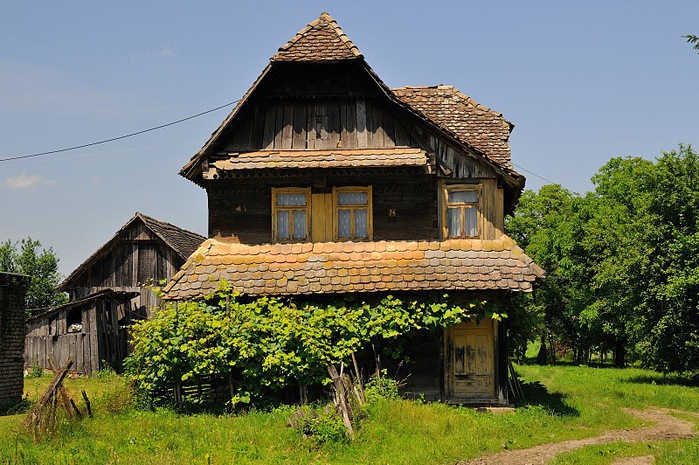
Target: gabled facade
144 252
106 293
324 181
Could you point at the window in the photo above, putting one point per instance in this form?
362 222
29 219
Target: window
352 213
290 214
462 211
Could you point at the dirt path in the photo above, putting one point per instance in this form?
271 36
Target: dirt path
665 427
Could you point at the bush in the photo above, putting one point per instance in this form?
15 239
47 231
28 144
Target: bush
325 428
381 387
266 344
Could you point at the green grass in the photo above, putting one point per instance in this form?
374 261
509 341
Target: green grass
576 402
665 452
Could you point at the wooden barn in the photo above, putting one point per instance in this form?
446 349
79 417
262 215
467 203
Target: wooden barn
88 331
324 181
106 293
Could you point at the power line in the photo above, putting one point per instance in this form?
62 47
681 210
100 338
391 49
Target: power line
534 174
125 136
543 178
172 123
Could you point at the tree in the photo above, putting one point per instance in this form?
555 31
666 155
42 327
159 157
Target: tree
692 39
547 225
41 265
622 262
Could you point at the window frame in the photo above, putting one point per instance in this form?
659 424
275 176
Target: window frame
369 209
478 205
307 208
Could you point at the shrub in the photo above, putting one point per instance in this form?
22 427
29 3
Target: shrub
268 343
381 387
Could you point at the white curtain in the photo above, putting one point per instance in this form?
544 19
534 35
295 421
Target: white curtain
471 221
299 224
283 224
289 200
344 224
463 197
352 198
360 224
454 222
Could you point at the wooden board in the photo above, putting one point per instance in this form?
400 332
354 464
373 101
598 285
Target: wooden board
470 361
322 218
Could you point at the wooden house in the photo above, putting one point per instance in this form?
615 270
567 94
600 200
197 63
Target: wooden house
106 293
324 181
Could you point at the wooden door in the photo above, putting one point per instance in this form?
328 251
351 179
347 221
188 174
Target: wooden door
321 217
470 361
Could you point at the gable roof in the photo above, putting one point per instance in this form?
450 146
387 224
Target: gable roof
321 40
473 123
182 241
346 267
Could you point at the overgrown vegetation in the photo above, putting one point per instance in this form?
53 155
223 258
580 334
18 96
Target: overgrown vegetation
577 402
261 346
622 263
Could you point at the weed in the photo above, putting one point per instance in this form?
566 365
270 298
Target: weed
36 371
381 387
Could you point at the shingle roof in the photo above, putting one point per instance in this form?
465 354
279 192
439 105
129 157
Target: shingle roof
183 242
473 123
320 40
333 158
341 267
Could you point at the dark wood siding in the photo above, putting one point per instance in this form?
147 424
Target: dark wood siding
247 212
137 259
317 124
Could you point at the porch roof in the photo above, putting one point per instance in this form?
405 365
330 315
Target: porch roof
332 158
349 267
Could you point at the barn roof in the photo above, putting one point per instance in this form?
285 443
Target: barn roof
182 241
118 296
341 267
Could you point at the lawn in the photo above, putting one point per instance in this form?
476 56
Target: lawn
564 402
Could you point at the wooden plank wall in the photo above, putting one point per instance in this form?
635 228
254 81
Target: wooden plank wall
492 209
247 213
137 259
318 124
100 339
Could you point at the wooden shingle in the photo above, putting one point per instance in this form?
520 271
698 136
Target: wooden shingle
341 267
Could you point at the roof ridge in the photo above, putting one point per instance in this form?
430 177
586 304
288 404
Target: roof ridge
285 53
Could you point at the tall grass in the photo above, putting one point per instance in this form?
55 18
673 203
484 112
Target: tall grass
565 403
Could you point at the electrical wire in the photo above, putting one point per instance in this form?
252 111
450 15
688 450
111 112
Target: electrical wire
125 136
534 174
161 126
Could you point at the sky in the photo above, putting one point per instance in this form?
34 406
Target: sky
581 81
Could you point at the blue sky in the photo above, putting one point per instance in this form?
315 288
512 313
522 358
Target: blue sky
581 81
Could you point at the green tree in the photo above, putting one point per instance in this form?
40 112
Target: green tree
41 265
692 39
548 226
